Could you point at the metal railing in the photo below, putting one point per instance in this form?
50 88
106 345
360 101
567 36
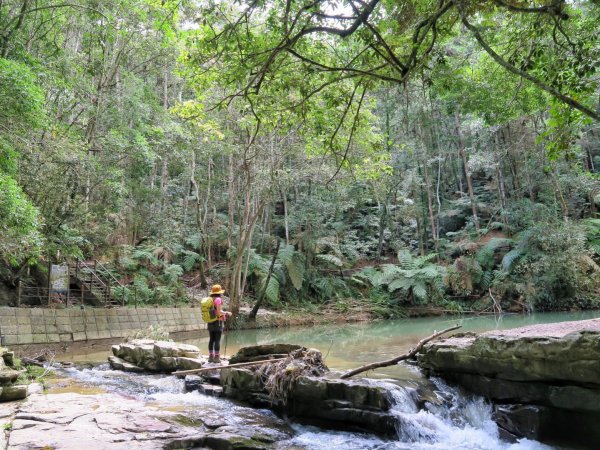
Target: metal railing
83 269
49 297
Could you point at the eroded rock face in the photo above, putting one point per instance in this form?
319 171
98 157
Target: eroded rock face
549 375
155 356
8 375
320 400
331 403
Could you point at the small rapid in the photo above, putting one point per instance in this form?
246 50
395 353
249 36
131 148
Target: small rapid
459 422
453 421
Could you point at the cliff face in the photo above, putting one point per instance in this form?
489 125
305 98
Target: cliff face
543 379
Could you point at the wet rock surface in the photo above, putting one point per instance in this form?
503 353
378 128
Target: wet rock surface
75 421
545 377
322 400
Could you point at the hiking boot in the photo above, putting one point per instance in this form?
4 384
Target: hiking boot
217 360
211 359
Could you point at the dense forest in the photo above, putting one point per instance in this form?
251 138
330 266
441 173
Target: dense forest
387 153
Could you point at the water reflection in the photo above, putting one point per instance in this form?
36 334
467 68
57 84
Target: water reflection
350 345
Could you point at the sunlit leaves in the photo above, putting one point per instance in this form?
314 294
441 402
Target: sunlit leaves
20 224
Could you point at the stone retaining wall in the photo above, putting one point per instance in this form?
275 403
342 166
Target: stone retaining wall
41 325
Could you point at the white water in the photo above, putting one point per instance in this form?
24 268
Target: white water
457 423
466 425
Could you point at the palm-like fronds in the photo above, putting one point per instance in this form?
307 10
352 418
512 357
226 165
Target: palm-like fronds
415 276
331 259
190 259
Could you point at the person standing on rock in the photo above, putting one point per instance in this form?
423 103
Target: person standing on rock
214 315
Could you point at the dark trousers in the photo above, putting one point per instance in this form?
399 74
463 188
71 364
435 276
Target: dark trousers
214 341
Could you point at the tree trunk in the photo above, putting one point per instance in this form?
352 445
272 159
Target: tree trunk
465 161
252 315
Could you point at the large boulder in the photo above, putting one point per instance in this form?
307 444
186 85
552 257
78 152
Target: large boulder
155 356
546 377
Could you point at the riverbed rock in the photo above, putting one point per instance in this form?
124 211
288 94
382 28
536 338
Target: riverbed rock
155 356
319 400
13 392
8 375
548 373
258 352
120 364
109 422
330 403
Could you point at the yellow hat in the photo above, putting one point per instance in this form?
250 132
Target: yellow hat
216 289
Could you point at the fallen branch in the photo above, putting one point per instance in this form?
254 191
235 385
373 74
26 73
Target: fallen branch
244 364
396 360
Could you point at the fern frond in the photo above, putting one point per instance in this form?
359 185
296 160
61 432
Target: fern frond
388 273
486 279
400 283
295 269
286 254
189 260
405 260
332 259
485 255
421 260
510 258
430 271
420 291
272 290
194 241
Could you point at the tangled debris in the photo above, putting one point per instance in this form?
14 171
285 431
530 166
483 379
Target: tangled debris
278 378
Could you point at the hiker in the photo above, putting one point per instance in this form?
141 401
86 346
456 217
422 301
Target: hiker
214 316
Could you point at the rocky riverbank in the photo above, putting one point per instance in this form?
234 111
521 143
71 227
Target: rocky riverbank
543 379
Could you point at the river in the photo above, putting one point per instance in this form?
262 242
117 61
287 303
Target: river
467 424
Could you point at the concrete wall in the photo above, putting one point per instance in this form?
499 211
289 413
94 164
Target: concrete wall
48 325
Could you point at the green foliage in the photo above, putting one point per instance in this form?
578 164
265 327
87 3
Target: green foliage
591 229
556 266
21 98
20 224
420 280
190 259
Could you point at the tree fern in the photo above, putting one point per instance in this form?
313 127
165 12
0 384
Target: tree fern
419 290
389 273
400 283
406 260
144 255
485 255
194 241
189 260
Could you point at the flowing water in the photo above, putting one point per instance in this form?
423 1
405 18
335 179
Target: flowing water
459 422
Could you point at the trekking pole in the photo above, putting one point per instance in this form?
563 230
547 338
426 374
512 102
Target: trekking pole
226 325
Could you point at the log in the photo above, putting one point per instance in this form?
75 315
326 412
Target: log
244 364
397 359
